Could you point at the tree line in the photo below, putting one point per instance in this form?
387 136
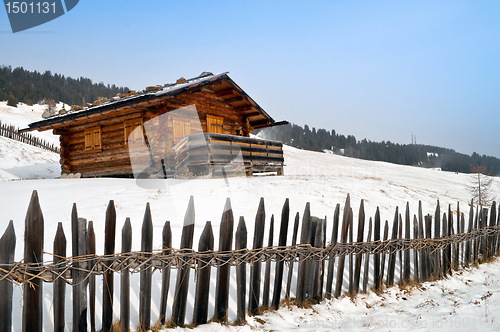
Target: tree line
20 85
403 154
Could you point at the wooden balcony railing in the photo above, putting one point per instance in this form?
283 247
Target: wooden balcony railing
220 155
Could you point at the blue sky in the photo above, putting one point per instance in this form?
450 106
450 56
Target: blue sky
380 70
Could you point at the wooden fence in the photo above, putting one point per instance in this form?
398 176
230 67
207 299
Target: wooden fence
418 249
12 132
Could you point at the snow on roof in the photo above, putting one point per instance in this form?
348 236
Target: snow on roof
168 89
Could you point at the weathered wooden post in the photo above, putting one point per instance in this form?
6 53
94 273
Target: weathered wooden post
182 285
165 271
206 244
223 272
7 250
424 274
416 269
255 269
290 268
33 255
305 238
406 262
267 271
343 239
146 273
92 252
333 243
108 283
278 277
359 257
382 256
367 258
351 255
240 243
429 257
125 278
392 256
492 236
376 257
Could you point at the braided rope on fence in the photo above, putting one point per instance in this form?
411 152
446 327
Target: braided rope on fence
135 262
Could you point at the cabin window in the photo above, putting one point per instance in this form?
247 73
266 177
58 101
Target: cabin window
215 124
182 128
93 138
131 134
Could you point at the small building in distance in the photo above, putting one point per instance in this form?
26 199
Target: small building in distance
198 126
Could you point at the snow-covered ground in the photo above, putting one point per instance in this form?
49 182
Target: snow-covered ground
23 114
321 179
467 301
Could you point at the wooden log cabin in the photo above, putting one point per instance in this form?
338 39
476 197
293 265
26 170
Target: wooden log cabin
184 129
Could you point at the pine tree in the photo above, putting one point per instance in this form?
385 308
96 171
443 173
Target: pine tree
480 186
12 101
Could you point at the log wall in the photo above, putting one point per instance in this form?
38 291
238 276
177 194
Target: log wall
113 158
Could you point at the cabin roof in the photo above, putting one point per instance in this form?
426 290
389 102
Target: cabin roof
258 118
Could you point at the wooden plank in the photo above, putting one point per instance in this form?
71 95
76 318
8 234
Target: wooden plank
438 270
165 271
290 268
316 264
145 274
32 319
367 259
91 250
240 243
406 262
278 276
382 256
333 243
343 239
416 270
392 256
305 238
459 246
351 256
400 253
376 257
267 271
182 284
7 250
255 269
423 253
446 252
429 260
223 272
360 239
322 263
108 281
79 278
492 237
125 279
475 246
206 244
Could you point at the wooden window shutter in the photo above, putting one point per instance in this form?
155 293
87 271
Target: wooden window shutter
88 140
97 138
131 134
215 124
93 138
